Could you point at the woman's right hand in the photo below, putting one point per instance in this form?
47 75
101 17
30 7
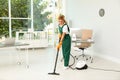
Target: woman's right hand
59 45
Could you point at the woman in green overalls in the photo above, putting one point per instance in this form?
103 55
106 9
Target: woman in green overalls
65 40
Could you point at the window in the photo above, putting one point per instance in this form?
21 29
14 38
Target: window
18 15
3 8
4 27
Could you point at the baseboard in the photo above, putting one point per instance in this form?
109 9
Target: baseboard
113 59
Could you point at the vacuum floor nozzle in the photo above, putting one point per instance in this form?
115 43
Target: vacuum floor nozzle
53 73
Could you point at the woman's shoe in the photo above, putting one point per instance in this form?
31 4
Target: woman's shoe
66 67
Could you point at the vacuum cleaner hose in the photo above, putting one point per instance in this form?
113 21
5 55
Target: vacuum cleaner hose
70 66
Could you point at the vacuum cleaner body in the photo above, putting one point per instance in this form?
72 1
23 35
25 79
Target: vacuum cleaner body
81 65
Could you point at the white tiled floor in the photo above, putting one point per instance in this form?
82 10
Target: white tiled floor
42 62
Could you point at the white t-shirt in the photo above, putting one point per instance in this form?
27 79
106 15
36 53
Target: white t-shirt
65 29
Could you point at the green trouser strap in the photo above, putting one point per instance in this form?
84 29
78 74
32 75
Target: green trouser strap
66 48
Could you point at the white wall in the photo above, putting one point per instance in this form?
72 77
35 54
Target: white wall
84 14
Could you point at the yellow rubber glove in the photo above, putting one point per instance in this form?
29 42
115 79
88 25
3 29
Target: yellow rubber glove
59 45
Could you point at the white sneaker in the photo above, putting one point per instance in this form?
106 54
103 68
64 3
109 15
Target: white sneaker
66 67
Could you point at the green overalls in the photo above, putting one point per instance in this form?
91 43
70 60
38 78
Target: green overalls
66 46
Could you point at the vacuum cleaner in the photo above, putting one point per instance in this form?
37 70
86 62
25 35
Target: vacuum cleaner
81 65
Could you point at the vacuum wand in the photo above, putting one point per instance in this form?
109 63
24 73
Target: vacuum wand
54 72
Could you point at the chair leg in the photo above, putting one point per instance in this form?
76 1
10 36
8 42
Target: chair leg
91 59
82 55
85 57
